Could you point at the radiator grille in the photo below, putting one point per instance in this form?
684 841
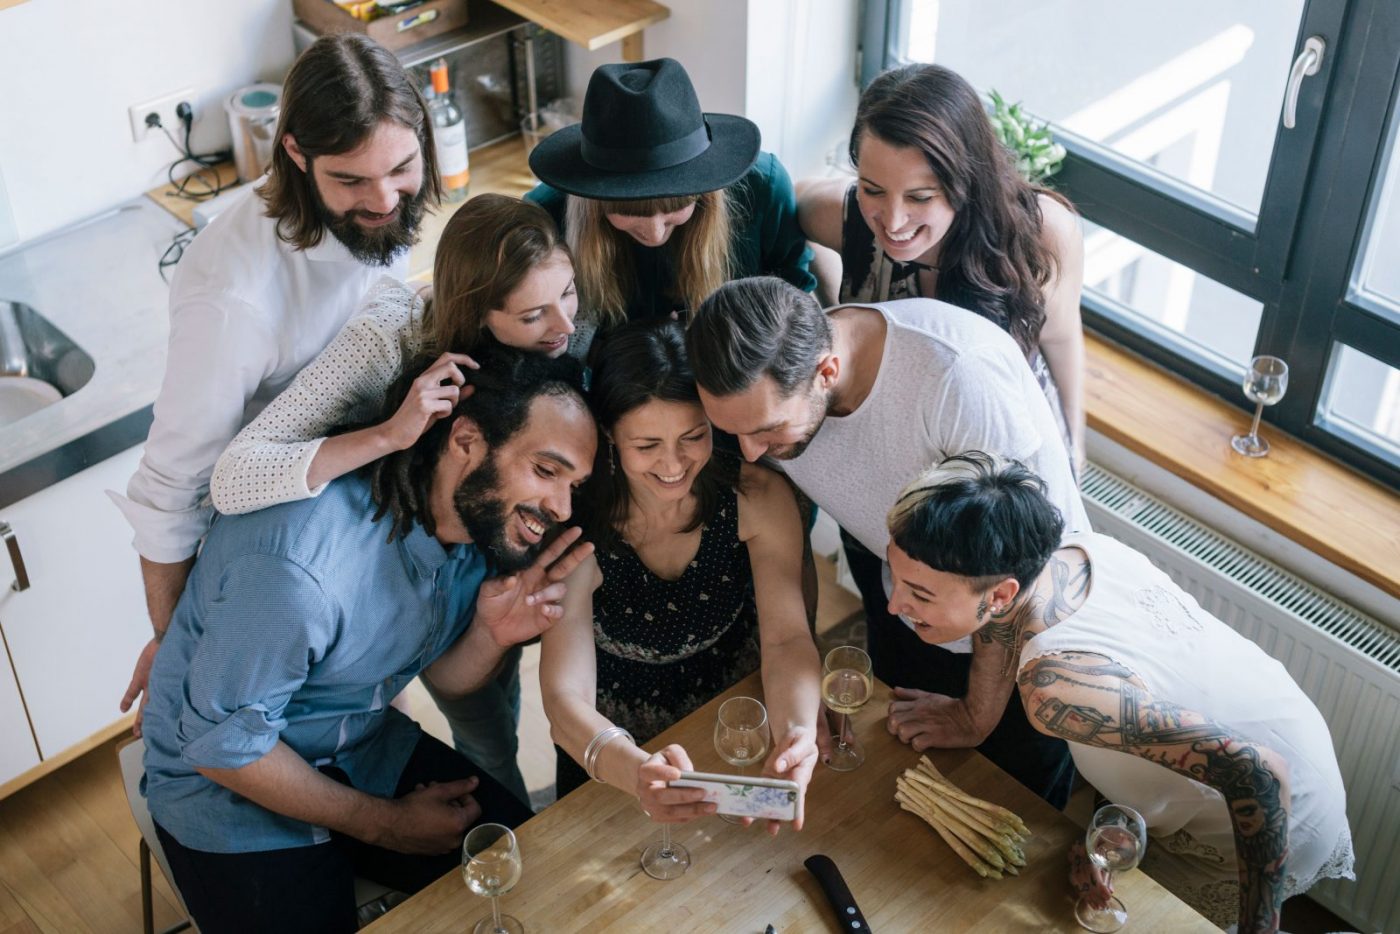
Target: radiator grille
1289 592
1348 663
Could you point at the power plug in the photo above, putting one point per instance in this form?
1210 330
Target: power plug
148 117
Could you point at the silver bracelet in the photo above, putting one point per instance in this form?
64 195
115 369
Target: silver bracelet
595 748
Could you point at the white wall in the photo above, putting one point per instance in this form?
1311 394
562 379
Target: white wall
788 65
70 69
801 78
708 37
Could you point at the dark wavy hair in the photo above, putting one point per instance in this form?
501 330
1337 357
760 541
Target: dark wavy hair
978 516
642 362
338 91
506 386
992 260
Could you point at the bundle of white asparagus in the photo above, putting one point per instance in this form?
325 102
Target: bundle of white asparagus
986 836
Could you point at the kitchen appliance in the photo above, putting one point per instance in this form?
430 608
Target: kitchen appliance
252 123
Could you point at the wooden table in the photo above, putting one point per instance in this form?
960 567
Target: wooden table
581 869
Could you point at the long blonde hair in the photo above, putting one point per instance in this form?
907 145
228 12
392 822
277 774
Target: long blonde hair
603 262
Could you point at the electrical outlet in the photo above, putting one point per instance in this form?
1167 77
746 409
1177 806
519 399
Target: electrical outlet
164 107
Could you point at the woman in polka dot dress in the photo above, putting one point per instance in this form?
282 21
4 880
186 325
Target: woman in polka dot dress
667 614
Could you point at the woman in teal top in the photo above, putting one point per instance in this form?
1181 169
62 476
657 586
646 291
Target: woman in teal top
661 203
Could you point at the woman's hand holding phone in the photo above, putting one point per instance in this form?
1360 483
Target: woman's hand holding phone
664 804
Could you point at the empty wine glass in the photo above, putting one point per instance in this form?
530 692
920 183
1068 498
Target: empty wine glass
741 736
1115 842
491 866
663 859
846 686
1264 384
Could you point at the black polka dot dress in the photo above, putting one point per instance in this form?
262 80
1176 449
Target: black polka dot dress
664 647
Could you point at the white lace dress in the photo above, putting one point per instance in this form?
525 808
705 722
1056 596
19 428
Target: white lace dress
1138 617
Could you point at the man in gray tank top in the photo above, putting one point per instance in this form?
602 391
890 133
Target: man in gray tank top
852 404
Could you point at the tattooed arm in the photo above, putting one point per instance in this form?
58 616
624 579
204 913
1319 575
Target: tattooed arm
927 720
1086 698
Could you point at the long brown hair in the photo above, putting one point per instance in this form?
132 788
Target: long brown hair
486 250
992 259
606 276
338 91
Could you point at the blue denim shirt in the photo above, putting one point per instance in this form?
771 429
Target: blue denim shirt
299 623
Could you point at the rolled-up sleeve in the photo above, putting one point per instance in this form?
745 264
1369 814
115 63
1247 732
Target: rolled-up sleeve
219 353
270 624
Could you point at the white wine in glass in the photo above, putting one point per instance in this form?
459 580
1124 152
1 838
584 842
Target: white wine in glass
846 686
741 736
491 866
1115 842
1264 384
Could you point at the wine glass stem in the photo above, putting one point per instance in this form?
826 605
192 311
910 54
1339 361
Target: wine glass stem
495 913
665 842
1254 427
841 742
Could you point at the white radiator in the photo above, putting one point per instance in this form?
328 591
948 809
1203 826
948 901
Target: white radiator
1347 662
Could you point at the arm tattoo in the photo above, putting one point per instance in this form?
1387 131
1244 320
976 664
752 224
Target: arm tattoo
1176 738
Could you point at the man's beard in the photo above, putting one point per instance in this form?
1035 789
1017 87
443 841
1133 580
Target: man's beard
816 414
374 246
483 512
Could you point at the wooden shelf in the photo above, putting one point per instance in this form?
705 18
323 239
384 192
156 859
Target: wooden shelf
1304 496
594 23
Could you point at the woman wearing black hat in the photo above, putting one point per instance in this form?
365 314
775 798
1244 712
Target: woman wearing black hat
661 203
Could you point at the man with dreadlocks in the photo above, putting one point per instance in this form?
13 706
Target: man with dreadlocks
276 769
1166 709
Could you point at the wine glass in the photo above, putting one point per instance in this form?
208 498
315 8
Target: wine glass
1115 841
741 736
663 859
1264 384
846 686
491 866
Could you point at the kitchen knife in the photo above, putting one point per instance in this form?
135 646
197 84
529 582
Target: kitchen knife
829 877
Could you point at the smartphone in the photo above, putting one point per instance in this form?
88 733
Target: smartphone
745 795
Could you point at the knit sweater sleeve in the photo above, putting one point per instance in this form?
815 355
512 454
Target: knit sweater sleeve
267 462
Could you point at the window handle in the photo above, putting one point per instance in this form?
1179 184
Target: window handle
1307 63
16 559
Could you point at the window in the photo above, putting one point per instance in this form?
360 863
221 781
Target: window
1213 232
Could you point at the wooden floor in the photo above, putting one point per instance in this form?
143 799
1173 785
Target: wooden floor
68 846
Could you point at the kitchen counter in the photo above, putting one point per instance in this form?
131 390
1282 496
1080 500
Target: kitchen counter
99 283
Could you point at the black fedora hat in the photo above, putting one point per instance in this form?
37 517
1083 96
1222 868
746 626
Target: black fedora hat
643 135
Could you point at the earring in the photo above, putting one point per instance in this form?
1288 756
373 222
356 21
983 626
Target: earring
613 465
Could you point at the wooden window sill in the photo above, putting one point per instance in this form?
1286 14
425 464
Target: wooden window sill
1295 491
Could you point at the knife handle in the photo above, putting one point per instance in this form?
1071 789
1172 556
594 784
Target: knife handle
837 892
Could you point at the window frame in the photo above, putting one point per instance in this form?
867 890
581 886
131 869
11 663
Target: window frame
1297 258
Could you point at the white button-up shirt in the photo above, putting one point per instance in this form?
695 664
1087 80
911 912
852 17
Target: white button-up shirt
247 312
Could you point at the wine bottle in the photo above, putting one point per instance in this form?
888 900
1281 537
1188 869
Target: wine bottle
449 133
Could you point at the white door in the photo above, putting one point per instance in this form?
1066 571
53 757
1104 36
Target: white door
75 633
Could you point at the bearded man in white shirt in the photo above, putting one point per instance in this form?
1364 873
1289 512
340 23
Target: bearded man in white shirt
270 281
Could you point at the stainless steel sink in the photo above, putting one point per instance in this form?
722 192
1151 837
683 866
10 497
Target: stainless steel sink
39 364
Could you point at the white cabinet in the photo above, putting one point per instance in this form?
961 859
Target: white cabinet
17 750
74 635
